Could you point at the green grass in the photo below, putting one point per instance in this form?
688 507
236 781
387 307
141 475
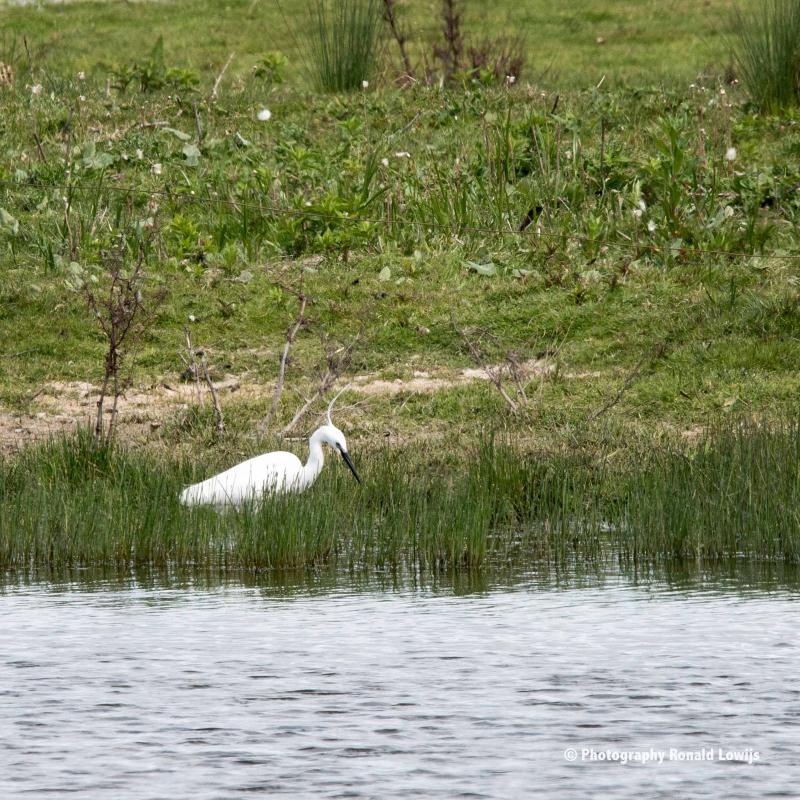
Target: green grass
642 42
658 272
493 506
343 43
68 504
737 494
768 52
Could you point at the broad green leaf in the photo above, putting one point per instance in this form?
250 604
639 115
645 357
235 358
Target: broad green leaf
184 137
9 223
191 153
488 269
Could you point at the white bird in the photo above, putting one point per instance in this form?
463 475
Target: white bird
270 473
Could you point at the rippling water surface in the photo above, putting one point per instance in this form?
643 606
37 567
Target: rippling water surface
140 690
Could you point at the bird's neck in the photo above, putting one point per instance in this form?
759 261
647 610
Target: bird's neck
316 459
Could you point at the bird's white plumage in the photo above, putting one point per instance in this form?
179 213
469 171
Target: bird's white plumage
270 473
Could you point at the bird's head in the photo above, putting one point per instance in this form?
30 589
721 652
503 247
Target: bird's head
332 436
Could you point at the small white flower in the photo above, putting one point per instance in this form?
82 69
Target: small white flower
402 154
511 79
637 212
264 115
82 98
722 92
385 162
192 318
156 169
651 226
36 88
139 154
81 76
365 84
730 154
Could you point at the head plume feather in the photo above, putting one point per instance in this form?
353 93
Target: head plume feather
330 405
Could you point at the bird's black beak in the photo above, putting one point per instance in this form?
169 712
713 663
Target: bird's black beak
349 463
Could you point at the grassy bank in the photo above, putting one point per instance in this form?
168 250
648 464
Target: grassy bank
67 504
629 243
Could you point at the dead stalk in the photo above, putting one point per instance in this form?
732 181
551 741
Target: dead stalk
219 420
217 82
399 36
193 369
648 358
290 336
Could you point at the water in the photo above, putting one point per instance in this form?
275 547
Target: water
138 689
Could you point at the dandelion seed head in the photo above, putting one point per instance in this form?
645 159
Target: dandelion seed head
264 115
730 154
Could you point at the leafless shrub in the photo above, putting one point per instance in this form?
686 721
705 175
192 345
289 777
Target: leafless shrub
116 299
337 359
399 35
501 58
450 50
496 372
484 60
197 370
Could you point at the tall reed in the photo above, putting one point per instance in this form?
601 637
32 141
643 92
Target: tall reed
68 503
767 52
343 41
737 495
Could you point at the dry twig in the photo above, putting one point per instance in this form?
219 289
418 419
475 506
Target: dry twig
493 373
337 360
290 336
217 82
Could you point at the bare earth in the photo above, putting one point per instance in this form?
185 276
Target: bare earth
62 406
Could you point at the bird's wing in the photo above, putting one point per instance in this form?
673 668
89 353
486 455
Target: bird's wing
270 472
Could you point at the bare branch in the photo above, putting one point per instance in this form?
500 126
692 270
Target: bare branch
337 360
290 335
220 422
648 358
399 36
493 373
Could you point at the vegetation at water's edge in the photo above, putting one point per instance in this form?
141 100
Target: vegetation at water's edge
658 222
68 503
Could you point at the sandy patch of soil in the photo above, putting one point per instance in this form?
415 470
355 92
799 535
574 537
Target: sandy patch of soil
61 406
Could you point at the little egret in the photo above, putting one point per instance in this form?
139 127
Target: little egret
270 473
